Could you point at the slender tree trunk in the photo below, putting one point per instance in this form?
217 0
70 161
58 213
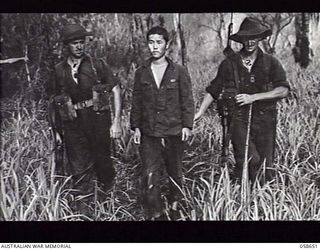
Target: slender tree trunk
180 38
301 51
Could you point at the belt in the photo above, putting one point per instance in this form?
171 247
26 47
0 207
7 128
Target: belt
83 104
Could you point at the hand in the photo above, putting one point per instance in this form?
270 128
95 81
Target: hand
198 115
186 134
26 59
244 99
137 136
58 138
115 130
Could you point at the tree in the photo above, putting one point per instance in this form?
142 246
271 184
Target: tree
217 24
180 40
302 50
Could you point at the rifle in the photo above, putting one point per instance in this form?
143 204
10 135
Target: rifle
224 101
226 106
58 148
228 50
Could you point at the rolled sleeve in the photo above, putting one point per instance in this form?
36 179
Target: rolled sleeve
215 87
278 74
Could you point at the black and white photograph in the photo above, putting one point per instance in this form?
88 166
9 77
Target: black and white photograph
160 117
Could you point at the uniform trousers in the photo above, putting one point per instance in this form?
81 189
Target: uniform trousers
87 140
261 144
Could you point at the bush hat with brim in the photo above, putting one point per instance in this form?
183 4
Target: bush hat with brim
250 29
74 31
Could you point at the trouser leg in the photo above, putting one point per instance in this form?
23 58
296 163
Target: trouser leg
80 167
80 159
265 144
101 148
151 156
238 138
173 151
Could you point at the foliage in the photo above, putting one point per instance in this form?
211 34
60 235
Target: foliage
30 188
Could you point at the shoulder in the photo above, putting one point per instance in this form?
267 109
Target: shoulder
269 57
226 64
180 68
139 70
59 66
142 67
272 61
227 61
99 62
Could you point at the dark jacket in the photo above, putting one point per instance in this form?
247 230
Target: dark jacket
166 110
62 81
266 74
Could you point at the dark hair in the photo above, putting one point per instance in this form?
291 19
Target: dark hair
160 31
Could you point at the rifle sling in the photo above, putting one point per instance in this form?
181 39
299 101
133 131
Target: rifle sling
237 82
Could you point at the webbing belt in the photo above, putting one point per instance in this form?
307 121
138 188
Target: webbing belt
83 104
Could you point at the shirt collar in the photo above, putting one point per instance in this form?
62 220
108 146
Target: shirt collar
84 58
147 63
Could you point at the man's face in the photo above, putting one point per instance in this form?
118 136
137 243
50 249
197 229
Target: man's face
76 48
251 45
157 45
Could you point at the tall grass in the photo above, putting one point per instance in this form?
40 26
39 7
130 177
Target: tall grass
31 190
29 186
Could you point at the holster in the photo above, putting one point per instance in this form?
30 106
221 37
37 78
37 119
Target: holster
100 97
65 107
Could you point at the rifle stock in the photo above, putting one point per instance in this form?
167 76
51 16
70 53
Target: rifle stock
58 148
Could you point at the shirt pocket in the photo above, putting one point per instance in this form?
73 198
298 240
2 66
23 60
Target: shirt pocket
172 84
146 84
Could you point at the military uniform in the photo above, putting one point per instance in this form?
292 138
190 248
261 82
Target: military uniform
266 74
87 137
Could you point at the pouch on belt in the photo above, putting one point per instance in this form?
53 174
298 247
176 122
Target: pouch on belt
100 97
65 107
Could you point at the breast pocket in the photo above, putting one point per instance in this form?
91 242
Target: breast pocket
147 92
146 84
173 84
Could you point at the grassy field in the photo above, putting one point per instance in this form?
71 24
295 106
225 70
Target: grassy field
30 190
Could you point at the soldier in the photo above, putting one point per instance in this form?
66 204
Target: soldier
162 119
80 88
250 77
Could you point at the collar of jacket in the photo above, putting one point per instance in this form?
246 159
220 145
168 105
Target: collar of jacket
147 63
237 57
85 58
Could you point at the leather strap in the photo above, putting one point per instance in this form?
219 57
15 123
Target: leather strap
83 104
236 75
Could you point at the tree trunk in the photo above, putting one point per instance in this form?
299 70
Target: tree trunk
301 51
180 38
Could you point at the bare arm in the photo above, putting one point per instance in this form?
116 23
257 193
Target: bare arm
117 101
207 100
115 130
276 93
